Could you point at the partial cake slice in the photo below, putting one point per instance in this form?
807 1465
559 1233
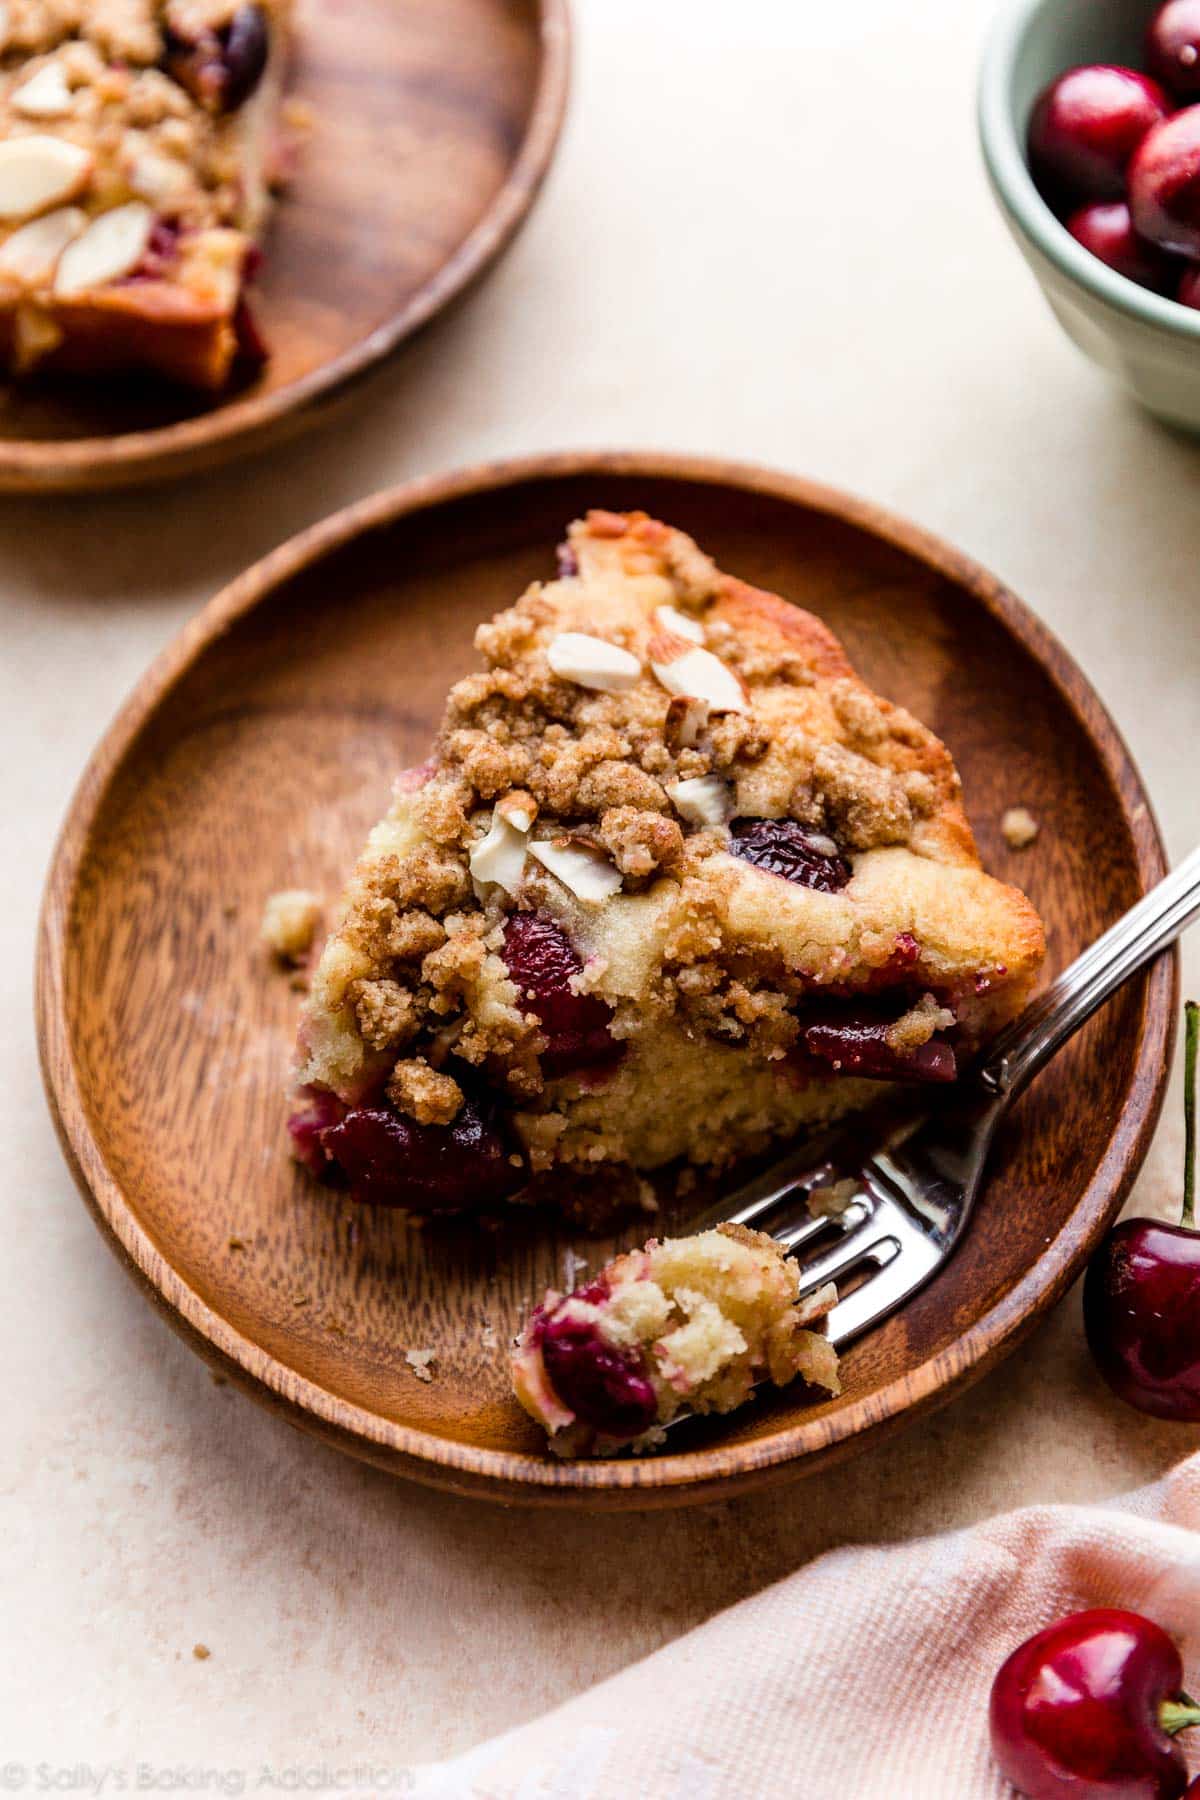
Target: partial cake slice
687 1325
673 883
135 151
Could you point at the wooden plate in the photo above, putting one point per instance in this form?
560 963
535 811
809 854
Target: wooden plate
434 125
254 756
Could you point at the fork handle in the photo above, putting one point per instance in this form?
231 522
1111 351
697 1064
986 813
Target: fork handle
1023 1047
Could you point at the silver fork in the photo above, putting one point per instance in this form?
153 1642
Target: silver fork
916 1186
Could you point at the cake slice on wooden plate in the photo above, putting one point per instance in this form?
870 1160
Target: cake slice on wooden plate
136 144
673 884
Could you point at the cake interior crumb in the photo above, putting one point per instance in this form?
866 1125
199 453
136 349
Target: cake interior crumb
419 1361
828 1202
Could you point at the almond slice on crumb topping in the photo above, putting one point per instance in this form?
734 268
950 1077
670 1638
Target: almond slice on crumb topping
678 624
518 809
37 172
704 800
700 675
113 245
686 718
44 96
33 250
500 856
587 872
592 662
157 178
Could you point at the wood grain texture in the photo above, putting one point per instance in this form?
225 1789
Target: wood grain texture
255 754
434 125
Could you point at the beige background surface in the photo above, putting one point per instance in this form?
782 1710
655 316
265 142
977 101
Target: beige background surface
767 236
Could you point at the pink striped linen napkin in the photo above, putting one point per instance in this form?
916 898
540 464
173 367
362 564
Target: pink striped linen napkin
864 1676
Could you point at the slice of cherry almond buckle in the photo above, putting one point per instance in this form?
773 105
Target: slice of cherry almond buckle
673 884
135 156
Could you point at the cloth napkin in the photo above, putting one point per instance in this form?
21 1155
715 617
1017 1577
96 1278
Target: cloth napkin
864 1676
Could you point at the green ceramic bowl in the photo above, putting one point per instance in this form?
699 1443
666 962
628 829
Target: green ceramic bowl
1150 344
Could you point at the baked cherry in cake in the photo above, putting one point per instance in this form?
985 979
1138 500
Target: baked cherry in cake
673 884
688 1324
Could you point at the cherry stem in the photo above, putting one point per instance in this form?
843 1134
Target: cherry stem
1178 1715
1192 1030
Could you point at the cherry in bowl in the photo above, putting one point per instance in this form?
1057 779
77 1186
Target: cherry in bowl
1164 184
1106 229
1173 48
1141 1294
1089 1710
1086 126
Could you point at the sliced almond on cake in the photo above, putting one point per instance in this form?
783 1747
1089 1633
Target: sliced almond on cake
586 871
37 172
44 96
112 246
695 673
593 662
704 800
33 250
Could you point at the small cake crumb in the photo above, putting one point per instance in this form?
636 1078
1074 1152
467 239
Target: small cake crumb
419 1361
290 923
201 1652
1019 827
235 1244
427 1097
828 1202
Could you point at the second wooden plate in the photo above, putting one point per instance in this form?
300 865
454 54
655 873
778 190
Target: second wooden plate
256 754
433 124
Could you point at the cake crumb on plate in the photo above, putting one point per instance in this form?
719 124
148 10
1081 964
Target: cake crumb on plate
419 1361
290 923
1019 827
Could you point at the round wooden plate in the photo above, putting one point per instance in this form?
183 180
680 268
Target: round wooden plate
256 754
433 126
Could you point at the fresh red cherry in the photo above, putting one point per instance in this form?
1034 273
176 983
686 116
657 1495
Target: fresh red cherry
1173 47
1188 291
1088 1710
1164 184
1106 229
1086 126
1141 1295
